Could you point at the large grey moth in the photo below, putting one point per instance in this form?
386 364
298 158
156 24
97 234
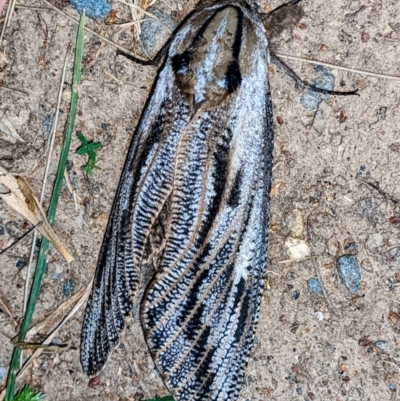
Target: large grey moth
187 237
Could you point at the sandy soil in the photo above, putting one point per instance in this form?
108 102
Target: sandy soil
304 351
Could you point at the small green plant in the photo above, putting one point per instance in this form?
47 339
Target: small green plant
88 148
27 394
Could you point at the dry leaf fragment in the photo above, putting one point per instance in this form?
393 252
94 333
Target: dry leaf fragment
394 317
53 318
16 192
8 132
277 188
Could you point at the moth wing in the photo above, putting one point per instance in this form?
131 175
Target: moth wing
200 310
144 186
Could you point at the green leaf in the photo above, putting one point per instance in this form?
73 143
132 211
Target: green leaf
95 145
92 155
27 394
82 138
88 148
82 150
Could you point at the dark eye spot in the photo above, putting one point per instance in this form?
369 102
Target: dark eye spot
233 76
180 62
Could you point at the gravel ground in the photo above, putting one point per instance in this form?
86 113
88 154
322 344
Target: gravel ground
335 191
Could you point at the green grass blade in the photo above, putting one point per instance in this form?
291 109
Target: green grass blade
51 213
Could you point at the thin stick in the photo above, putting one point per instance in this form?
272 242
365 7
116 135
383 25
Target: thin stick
121 83
12 9
77 199
24 7
140 9
20 238
7 19
13 90
42 194
7 311
324 292
108 41
128 24
356 71
380 191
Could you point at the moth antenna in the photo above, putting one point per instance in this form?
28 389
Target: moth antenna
299 82
284 5
154 62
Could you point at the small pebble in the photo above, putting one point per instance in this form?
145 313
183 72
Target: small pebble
395 147
395 220
23 272
299 391
382 345
367 209
320 315
351 247
47 123
349 271
297 249
295 295
57 274
155 32
20 263
3 372
392 387
13 230
311 99
365 37
393 255
395 26
375 243
295 223
94 382
69 287
314 286
94 8
320 117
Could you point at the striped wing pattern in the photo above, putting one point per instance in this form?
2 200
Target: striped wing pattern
187 235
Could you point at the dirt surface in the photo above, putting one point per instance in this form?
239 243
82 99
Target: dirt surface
324 160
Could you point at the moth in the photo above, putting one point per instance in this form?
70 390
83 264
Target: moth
186 242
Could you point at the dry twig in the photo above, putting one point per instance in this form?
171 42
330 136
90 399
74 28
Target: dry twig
324 292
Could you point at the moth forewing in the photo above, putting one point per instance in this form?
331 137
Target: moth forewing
187 236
